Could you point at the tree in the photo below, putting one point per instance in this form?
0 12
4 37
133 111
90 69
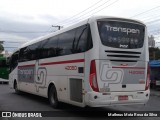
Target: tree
1 48
154 53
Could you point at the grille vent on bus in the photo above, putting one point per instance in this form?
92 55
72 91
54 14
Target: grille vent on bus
123 55
125 52
76 89
124 60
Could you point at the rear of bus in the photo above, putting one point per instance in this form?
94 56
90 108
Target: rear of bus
4 68
119 72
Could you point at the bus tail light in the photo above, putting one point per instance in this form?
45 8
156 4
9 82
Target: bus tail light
148 78
93 77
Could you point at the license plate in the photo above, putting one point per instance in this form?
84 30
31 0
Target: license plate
122 97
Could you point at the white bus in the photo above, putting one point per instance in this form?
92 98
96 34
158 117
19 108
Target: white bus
101 61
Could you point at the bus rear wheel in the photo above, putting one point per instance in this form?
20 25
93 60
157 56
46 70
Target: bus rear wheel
52 96
16 88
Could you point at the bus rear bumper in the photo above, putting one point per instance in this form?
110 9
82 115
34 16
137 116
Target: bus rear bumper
95 99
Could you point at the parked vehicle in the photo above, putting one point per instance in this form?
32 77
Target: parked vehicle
155 74
4 67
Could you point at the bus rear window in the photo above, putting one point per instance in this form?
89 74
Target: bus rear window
121 34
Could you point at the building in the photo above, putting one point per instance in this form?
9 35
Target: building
151 41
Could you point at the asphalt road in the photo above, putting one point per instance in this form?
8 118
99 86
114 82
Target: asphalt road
10 101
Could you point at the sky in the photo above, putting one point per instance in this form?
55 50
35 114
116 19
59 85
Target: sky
24 20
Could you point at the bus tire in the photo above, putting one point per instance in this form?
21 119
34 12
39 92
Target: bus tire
16 88
52 96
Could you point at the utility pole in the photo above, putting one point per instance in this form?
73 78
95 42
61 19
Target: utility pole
58 26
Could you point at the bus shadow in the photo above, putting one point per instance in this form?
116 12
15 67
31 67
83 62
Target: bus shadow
67 110
32 97
93 112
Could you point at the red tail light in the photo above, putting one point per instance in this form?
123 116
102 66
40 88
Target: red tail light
148 78
93 77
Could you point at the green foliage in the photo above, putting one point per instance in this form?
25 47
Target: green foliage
1 48
154 53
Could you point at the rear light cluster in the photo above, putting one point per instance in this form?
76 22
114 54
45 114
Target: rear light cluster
93 77
148 78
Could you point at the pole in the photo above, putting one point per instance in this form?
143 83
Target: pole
58 26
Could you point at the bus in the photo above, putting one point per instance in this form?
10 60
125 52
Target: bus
101 61
4 68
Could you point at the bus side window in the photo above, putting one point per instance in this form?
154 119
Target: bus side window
29 53
48 48
82 39
14 61
65 42
33 53
89 44
42 49
23 54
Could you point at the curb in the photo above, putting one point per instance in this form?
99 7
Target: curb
155 94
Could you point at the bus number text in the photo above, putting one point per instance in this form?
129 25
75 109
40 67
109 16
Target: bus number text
71 67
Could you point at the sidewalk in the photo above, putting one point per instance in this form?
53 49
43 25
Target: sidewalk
155 92
3 81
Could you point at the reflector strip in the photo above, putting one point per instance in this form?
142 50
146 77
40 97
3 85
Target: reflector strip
62 62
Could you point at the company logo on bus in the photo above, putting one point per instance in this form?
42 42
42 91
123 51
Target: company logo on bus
123 46
124 64
122 29
71 67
